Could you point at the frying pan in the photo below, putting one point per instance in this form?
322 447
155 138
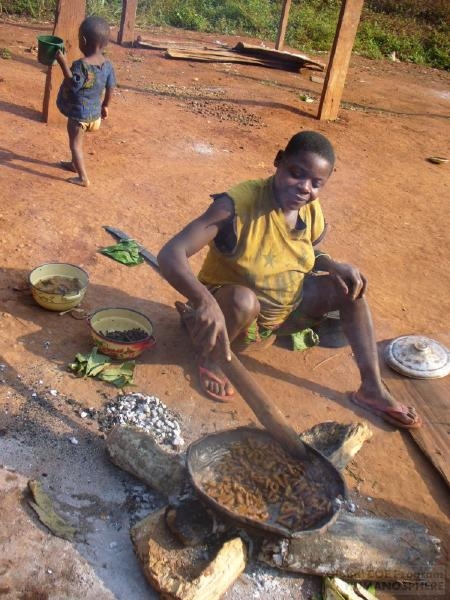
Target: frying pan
203 463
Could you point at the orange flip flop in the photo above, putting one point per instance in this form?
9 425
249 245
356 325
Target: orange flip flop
389 413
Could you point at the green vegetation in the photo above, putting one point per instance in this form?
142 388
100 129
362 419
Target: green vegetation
416 30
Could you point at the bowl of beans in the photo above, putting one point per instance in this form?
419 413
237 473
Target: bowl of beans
122 333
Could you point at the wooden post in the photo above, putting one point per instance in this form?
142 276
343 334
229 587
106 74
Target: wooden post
340 59
283 24
68 16
127 22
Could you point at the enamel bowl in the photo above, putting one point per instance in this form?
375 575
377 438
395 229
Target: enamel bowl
58 300
117 320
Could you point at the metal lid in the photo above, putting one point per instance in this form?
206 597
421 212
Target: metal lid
418 356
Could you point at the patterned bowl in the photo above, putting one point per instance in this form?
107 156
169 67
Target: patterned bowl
58 286
122 333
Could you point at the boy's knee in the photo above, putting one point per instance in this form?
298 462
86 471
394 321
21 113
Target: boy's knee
246 301
241 300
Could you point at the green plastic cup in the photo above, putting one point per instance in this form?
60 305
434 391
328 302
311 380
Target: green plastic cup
48 46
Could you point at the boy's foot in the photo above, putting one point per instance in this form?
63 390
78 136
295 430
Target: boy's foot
398 415
67 165
79 181
213 382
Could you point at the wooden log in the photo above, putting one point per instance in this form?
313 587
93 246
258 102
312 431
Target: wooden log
358 548
339 59
68 17
138 453
178 572
127 22
338 442
283 24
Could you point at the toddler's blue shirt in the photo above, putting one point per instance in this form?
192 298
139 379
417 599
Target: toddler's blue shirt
81 97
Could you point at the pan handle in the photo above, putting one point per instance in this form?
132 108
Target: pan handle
267 412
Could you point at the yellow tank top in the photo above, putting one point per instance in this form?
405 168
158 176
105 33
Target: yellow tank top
270 258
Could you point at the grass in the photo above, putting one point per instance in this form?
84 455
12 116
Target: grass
416 30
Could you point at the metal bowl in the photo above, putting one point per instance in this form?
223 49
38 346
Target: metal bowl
203 462
107 320
54 300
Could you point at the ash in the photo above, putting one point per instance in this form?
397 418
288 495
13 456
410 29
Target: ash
147 413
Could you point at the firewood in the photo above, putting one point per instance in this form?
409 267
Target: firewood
141 455
181 572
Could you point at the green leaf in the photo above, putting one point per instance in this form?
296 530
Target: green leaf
95 359
125 252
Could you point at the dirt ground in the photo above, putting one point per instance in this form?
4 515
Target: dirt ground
177 132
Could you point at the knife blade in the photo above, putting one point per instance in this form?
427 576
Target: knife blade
121 235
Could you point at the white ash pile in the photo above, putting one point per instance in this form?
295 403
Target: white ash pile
143 412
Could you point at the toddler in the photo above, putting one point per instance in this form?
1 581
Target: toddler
86 91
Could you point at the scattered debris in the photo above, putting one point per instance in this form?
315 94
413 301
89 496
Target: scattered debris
144 412
306 98
42 505
337 589
437 160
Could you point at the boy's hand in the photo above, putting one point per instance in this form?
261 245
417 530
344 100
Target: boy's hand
105 112
351 280
207 328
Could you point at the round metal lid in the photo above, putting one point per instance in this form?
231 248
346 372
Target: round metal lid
418 356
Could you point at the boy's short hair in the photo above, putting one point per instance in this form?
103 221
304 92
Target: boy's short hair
95 30
311 141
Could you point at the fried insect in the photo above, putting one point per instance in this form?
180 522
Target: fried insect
259 480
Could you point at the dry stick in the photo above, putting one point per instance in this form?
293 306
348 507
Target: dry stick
322 362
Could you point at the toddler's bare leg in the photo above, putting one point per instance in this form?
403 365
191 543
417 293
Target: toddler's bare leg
76 136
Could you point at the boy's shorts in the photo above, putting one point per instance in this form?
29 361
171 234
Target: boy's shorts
258 334
90 125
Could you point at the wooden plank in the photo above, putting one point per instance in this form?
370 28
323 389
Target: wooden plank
283 24
68 16
226 56
167 44
127 22
431 399
294 57
339 59
243 54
